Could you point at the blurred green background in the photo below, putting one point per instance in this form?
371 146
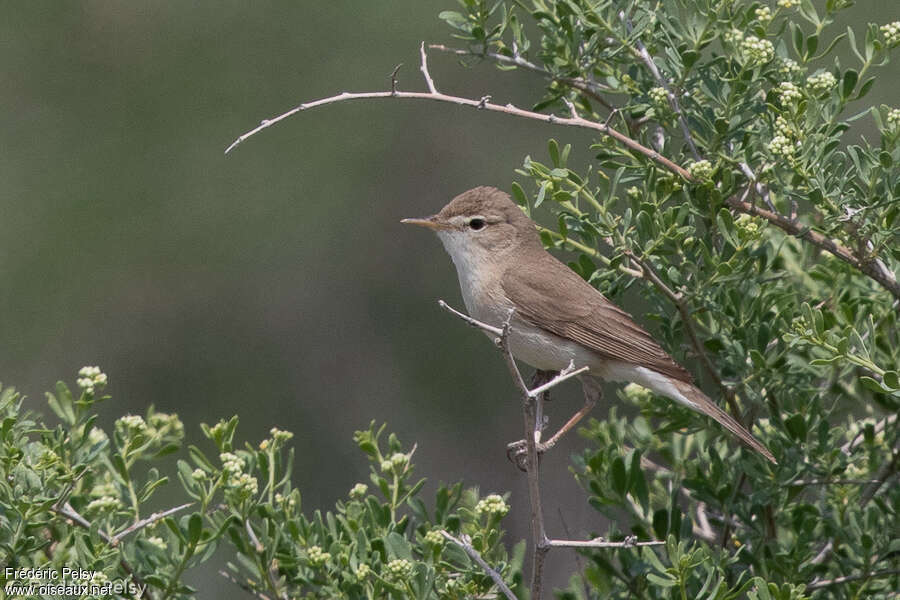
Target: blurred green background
275 283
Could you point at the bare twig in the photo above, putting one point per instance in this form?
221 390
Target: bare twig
887 471
70 513
480 104
473 322
424 68
465 543
589 88
867 266
761 190
628 542
567 373
270 570
822 583
877 428
114 540
394 79
247 588
673 99
810 482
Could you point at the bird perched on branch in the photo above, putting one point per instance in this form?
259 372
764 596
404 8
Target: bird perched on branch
557 318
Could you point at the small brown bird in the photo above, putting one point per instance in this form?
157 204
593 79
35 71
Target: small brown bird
558 318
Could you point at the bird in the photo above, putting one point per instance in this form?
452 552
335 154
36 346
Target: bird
556 319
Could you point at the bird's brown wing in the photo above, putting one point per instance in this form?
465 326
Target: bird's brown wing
551 296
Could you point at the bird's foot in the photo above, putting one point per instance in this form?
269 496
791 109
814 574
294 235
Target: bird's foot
517 452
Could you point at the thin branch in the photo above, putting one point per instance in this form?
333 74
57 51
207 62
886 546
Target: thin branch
850 446
809 482
464 542
567 373
628 542
247 588
71 514
424 68
114 540
673 99
584 86
867 266
473 322
819 584
260 548
481 104
502 341
888 470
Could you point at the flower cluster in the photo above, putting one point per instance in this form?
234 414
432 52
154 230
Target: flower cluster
103 504
358 491
659 96
492 505
363 571
782 127
157 542
788 93
244 485
232 464
757 51
241 484
165 425
286 501
279 437
782 146
96 436
396 463
893 118
700 170
131 424
788 3
637 393
91 379
399 569
434 537
789 67
748 227
763 14
317 556
734 36
821 82
891 33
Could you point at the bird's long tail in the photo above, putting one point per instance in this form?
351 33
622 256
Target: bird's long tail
699 401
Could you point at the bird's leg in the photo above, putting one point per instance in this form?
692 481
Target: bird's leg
593 392
516 451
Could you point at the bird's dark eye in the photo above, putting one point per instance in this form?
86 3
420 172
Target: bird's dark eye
476 224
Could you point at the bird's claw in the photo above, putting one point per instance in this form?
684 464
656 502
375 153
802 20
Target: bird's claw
517 453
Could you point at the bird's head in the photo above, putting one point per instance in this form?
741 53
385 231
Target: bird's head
481 225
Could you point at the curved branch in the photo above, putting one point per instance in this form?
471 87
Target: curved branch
480 104
869 267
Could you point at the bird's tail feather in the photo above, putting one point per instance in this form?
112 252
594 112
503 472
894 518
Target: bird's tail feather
701 403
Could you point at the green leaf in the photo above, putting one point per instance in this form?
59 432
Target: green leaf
553 150
849 83
618 476
666 582
195 528
519 195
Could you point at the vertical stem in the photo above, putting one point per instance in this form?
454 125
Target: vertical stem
538 533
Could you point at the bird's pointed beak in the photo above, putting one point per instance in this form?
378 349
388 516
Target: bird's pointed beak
431 222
